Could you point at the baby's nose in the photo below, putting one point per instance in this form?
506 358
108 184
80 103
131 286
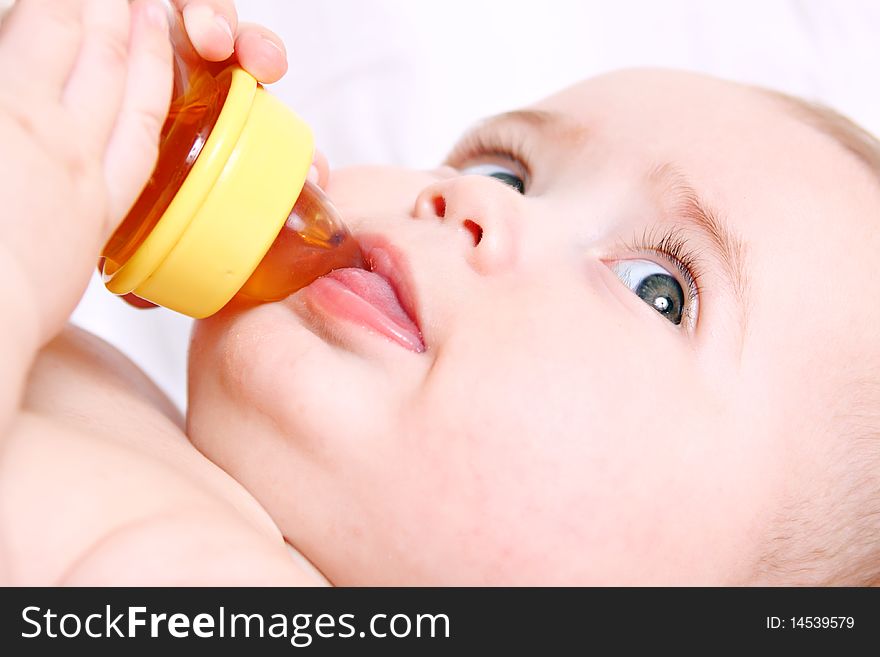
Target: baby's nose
484 210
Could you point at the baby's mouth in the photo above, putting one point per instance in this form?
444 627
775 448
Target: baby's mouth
378 297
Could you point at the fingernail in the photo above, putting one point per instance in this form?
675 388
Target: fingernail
201 21
197 19
273 44
224 25
156 15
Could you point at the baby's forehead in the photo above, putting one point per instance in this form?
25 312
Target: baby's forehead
738 139
850 136
653 91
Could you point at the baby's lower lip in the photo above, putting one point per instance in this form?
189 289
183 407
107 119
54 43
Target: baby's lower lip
366 299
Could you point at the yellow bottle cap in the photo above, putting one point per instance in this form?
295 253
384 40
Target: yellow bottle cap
229 209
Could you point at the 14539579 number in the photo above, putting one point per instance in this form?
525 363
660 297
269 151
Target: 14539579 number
811 622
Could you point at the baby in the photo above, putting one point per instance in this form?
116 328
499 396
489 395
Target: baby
636 344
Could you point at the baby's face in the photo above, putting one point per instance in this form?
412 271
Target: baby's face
625 374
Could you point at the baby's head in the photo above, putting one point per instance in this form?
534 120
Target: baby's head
656 364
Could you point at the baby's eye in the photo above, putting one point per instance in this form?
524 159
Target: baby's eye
507 175
654 285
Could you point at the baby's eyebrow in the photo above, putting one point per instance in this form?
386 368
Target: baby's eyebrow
547 122
726 246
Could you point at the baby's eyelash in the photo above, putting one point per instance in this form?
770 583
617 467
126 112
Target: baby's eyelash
476 145
668 243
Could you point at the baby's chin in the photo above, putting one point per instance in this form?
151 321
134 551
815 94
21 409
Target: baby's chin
248 376
248 361
260 373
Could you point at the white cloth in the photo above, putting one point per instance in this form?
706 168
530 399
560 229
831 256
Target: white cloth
396 81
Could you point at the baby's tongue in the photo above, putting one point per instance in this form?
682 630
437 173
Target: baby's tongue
381 309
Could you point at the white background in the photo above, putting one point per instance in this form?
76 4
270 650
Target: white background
396 81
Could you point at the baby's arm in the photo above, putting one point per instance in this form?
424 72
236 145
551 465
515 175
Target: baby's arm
84 86
83 93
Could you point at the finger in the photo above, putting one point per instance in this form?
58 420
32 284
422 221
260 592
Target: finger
39 41
211 26
94 91
131 299
320 170
261 53
131 152
137 302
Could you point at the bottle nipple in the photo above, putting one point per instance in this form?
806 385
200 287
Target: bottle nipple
312 242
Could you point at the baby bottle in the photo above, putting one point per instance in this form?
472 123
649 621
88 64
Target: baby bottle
215 220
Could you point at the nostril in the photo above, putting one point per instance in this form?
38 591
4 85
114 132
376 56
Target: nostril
475 230
439 206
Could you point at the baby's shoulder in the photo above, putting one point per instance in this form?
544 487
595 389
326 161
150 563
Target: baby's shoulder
99 485
78 377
